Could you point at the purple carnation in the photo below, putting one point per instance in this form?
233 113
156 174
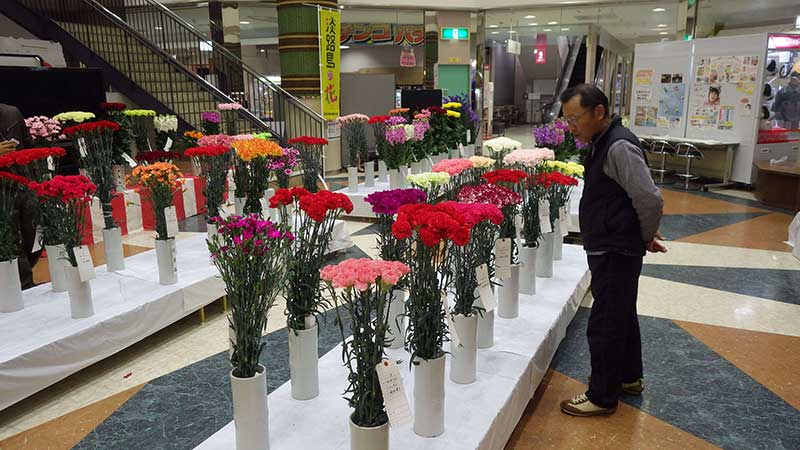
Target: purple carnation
210 116
388 202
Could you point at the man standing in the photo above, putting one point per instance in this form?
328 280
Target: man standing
620 212
13 136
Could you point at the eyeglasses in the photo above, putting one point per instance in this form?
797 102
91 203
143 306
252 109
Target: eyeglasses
574 120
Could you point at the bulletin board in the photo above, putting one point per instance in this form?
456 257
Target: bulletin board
659 96
453 79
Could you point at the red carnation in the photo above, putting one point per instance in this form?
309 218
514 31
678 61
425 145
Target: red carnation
208 150
89 127
504 176
65 188
433 224
14 178
25 157
377 119
437 110
316 206
112 106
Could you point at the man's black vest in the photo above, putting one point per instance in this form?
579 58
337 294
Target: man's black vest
607 217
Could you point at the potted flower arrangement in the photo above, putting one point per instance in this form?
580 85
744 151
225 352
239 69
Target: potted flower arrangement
433 183
70 118
507 197
11 187
355 136
254 156
528 160
313 225
230 115
214 161
43 130
166 127
499 147
249 254
95 140
66 198
379 131
385 205
432 231
311 149
460 171
161 181
284 165
142 122
483 220
361 290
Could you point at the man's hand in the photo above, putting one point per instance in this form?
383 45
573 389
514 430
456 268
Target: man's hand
7 147
655 246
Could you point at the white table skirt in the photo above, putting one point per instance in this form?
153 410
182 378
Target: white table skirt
481 415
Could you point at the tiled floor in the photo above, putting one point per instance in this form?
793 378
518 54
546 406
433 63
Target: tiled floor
720 320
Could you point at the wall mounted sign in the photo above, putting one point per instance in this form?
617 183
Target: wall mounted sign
382 34
455 34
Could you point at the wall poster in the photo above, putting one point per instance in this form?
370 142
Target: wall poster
722 91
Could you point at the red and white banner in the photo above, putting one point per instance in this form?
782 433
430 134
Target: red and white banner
540 53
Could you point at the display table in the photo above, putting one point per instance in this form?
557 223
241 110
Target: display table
481 415
778 184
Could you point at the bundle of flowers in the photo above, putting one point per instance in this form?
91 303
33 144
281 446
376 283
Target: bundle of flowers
95 141
264 135
43 130
161 180
379 131
229 106
140 113
141 120
456 131
249 253
440 130
214 162
558 188
528 158
210 122
113 111
313 227
11 187
556 136
453 166
501 146
284 165
112 106
502 197
401 112
230 115
570 168
242 137
434 183
385 204
507 176
469 118
215 139
366 285
256 155
355 136
421 141
310 159
65 198
73 117
397 152
166 123
482 162
191 138
37 164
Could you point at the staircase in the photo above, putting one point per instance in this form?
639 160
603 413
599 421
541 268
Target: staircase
161 62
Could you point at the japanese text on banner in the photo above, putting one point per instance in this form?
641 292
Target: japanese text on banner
329 55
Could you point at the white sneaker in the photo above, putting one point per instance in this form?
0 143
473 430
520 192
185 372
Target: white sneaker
581 406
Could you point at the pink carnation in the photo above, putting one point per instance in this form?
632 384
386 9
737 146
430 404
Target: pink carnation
453 166
529 157
229 106
361 273
215 139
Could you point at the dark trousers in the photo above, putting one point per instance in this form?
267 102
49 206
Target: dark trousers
25 216
615 345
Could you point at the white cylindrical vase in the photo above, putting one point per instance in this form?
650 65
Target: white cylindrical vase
250 412
369 174
397 309
395 179
369 438
11 292
469 150
304 363
485 325
112 244
383 172
464 356
80 293
544 258
238 205
211 231
508 295
56 260
167 265
427 165
405 171
558 241
429 397
527 274
416 167
352 179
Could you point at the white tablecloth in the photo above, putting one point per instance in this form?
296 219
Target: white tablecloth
481 415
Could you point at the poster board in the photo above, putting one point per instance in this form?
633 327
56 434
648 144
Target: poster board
453 79
725 95
659 95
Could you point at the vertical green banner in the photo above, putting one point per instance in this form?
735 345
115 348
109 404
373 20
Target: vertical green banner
329 58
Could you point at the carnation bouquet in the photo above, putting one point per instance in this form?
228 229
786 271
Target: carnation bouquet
507 201
440 130
313 225
11 187
469 118
501 146
113 111
166 129
557 137
95 141
214 162
481 165
379 131
361 290
457 127
311 159
215 139
191 138
420 144
507 196
569 168
353 130
255 155
405 113
161 180
399 136
73 117
460 171
142 120
385 205
284 165
43 130
557 187
249 254
37 164
528 159
433 183
230 115
209 122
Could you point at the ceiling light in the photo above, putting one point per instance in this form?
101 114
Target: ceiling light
548 29
530 17
158 28
552 23
565 29
492 26
797 22
495 32
263 51
344 47
202 4
533 24
244 22
659 9
664 32
662 25
341 6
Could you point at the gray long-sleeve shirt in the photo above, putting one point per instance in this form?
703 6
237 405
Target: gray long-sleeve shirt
626 165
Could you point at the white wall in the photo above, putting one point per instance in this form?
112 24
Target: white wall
10 28
369 56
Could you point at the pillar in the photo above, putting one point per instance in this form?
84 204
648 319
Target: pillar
591 55
225 30
454 56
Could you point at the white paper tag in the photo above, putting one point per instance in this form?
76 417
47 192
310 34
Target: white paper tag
85 263
171 215
563 218
485 288
544 217
131 162
469 135
37 240
82 148
518 225
51 164
168 144
395 400
502 258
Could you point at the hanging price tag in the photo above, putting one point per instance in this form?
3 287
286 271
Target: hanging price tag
82 148
518 225
168 145
51 164
485 288
85 263
502 258
37 240
544 217
469 135
171 215
131 162
563 218
394 394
